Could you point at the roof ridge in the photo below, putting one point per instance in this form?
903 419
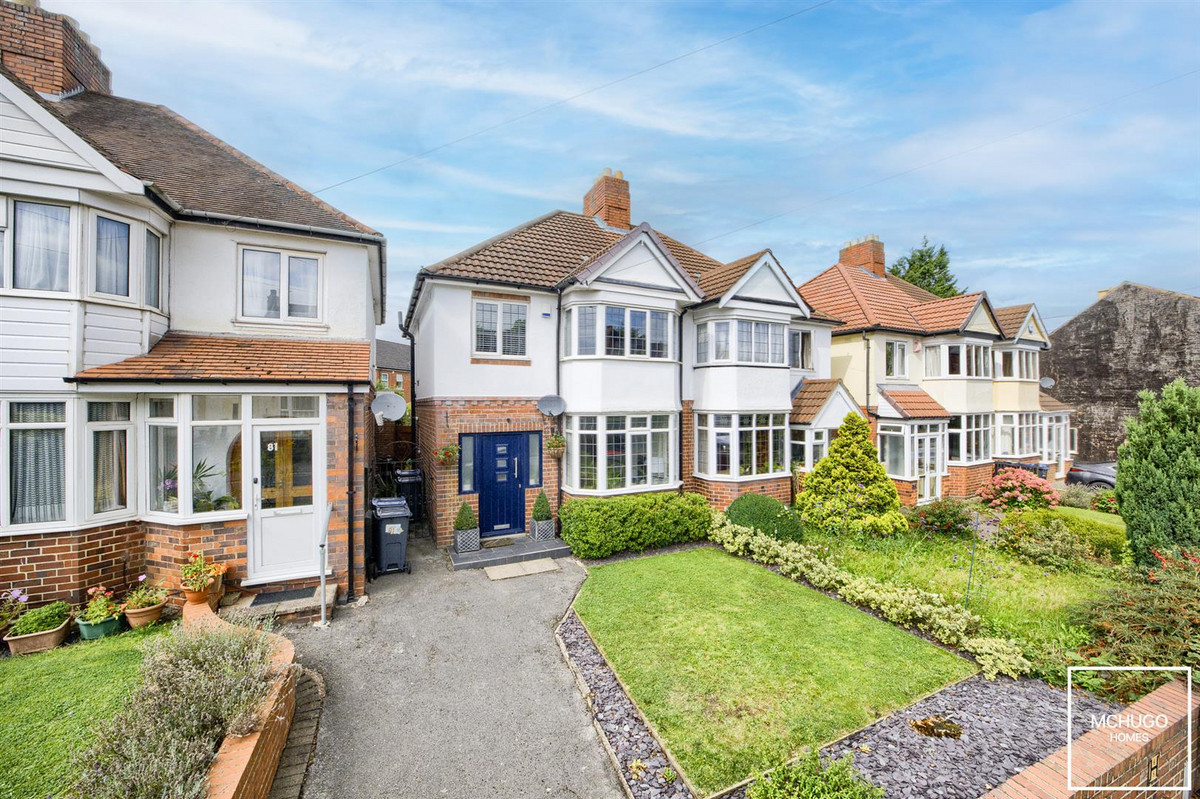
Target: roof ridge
260 167
858 298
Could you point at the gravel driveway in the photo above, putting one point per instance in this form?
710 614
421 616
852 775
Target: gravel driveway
449 685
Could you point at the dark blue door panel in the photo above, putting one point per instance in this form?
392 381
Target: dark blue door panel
502 470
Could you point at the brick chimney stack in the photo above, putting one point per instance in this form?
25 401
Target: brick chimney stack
48 51
609 199
866 252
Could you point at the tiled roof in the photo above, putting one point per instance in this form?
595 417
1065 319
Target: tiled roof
195 169
715 282
862 299
810 398
392 354
1051 405
186 357
914 403
1010 318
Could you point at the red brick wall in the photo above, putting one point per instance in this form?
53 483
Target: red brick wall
720 493
907 489
48 52
964 482
609 199
687 428
167 547
441 422
340 475
1097 760
53 566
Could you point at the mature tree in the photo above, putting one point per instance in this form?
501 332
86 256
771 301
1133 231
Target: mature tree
848 491
929 268
1158 473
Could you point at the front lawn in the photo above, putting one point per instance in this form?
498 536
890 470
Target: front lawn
739 669
50 704
1111 519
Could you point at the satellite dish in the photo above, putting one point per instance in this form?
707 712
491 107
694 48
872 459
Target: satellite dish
389 406
1047 383
552 405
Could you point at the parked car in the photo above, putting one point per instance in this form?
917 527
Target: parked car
1096 475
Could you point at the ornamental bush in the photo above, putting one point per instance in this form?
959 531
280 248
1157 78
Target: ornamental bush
597 528
931 613
1158 473
814 777
465 518
848 491
1104 501
541 508
1045 541
767 515
1106 540
1077 495
1013 489
946 517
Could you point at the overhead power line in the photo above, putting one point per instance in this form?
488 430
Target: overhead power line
574 97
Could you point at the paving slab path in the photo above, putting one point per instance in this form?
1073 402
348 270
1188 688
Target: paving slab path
448 684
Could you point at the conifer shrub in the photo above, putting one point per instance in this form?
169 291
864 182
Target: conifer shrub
465 518
541 508
1158 473
848 491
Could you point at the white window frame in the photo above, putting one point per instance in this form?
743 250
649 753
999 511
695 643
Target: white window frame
805 441
935 366
69 460
805 350
975 429
284 288
898 348
636 425
1024 434
8 254
1029 366
136 266
147 231
777 421
499 351
129 427
905 432
384 379
773 341
600 337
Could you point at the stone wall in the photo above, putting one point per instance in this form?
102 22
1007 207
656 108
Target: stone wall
1134 338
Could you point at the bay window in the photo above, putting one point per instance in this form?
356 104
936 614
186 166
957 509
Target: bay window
809 446
152 282
618 451
721 341
632 332
587 330
37 462
568 338
933 361
968 360
701 343
108 433
891 449
743 445
614 331
1016 434
1028 365
271 276
216 453
162 441
895 359
637 332
800 349
757 342
41 246
500 328
970 438
112 257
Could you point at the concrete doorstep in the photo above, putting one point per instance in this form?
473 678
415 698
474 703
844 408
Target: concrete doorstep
509 570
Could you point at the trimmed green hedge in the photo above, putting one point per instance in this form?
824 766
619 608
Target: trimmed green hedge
767 515
1105 539
597 528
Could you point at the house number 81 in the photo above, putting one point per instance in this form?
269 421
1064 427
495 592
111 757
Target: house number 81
272 447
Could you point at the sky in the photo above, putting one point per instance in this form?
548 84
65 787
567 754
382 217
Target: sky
1053 148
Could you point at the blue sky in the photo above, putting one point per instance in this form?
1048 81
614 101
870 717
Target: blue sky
783 124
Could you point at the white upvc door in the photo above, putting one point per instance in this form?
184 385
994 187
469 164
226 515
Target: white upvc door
928 467
288 501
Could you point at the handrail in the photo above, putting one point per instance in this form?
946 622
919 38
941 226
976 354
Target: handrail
324 560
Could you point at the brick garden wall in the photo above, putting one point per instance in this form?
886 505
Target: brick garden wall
442 421
53 566
1098 761
721 493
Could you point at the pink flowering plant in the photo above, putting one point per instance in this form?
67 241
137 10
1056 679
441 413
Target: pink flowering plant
101 606
146 594
1013 489
12 604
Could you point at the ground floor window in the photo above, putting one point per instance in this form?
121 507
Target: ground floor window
109 426
37 462
809 445
741 444
1016 434
619 451
912 450
970 438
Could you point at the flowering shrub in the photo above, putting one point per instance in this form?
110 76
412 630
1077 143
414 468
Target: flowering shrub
1014 488
12 604
145 594
949 517
198 573
101 606
907 606
1105 501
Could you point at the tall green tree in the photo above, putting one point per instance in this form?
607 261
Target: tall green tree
1158 473
929 268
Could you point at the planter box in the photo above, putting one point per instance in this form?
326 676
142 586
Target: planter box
91 630
37 642
140 617
541 530
466 540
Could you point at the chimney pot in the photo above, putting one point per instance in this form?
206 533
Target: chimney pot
609 199
866 252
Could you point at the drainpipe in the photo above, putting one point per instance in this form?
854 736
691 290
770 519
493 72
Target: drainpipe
558 385
867 348
412 387
679 358
351 491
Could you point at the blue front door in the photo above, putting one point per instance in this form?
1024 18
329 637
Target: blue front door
502 469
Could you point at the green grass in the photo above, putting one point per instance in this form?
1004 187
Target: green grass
1018 599
1111 519
739 668
50 704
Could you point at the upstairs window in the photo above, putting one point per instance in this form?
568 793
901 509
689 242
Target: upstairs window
614 331
800 349
280 285
969 360
587 330
153 280
41 246
500 328
626 332
895 359
1029 365
933 361
112 257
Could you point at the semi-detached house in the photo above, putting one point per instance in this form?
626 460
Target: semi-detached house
677 370
951 385
185 341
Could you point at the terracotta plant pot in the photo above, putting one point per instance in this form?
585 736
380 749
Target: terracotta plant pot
91 630
216 591
140 617
37 642
196 597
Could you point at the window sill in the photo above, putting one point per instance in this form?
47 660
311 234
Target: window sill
500 361
177 519
741 364
963 464
279 324
622 358
741 478
613 492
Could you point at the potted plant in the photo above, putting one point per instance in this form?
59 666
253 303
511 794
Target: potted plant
217 589
144 603
447 455
543 524
39 629
196 576
101 616
168 489
556 445
466 530
12 604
